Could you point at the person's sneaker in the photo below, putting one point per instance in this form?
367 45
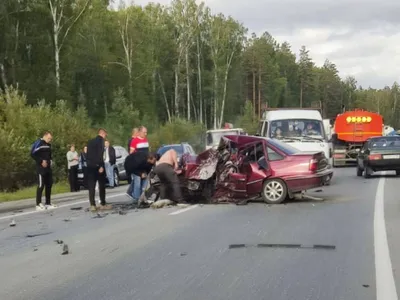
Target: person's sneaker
40 207
93 208
50 206
105 207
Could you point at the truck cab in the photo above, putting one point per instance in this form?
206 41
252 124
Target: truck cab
301 128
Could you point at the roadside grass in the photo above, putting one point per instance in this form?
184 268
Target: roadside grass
30 192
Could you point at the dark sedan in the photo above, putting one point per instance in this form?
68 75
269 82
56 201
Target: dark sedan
181 149
379 154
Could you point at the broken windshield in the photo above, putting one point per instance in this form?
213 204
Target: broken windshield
297 129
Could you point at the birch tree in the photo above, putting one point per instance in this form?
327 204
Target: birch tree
64 16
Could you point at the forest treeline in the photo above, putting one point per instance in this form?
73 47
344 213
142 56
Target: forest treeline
72 65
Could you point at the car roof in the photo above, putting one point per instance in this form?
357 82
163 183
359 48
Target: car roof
293 114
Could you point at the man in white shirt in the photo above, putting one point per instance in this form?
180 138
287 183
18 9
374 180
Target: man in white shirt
73 162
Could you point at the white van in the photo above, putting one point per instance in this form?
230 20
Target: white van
301 128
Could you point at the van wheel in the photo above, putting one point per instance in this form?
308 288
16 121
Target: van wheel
274 191
397 172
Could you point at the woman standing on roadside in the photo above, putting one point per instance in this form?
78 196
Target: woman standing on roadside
73 162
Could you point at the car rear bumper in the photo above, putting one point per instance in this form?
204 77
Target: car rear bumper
384 164
307 182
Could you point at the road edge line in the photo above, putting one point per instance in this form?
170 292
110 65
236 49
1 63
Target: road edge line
385 284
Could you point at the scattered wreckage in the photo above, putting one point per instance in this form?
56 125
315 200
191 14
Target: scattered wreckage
245 168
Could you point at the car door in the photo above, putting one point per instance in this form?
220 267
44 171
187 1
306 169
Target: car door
260 169
121 156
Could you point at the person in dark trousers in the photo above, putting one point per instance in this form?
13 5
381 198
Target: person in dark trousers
41 153
96 171
109 163
167 171
83 162
138 165
73 163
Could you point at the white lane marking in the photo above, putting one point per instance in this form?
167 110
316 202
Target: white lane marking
385 284
183 210
61 206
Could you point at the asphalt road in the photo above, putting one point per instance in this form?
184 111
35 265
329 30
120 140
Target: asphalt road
173 254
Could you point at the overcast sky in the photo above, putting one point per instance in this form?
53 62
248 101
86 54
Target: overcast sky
362 37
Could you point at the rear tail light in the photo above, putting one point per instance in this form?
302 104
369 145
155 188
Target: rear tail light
313 166
374 156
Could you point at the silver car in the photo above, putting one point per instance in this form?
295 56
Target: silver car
119 169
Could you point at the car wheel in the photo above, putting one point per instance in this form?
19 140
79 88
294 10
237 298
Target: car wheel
367 172
397 172
274 191
116 178
359 171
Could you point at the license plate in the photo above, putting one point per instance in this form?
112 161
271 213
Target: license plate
80 175
391 156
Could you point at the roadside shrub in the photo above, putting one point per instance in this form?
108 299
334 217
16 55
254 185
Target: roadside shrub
178 131
21 125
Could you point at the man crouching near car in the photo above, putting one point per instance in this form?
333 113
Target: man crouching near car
167 171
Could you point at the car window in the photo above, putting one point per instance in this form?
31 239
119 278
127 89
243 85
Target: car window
385 143
253 153
273 155
117 152
285 148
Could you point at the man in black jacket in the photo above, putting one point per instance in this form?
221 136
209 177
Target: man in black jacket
109 163
138 165
41 153
96 171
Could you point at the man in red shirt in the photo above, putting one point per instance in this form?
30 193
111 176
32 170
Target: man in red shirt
140 142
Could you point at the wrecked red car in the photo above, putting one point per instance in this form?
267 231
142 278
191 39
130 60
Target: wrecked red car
244 168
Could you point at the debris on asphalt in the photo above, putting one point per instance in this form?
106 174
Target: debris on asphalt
67 220
318 191
17 211
183 254
365 285
122 213
87 209
13 224
201 205
31 235
99 216
59 242
297 246
65 250
35 249
161 204
76 208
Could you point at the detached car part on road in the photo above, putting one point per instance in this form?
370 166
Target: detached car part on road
379 154
248 167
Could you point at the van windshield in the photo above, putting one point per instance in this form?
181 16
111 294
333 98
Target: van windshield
214 137
297 128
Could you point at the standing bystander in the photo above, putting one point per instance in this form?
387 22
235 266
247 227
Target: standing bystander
73 162
109 163
83 162
96 172
140 142
41 153
134 134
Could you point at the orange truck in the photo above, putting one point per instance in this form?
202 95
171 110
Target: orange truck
351 130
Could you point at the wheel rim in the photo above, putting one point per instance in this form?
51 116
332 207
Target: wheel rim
273 190
116 179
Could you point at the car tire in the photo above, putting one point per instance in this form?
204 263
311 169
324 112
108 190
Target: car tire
359 171
367 172
397 172
274 191
116 178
